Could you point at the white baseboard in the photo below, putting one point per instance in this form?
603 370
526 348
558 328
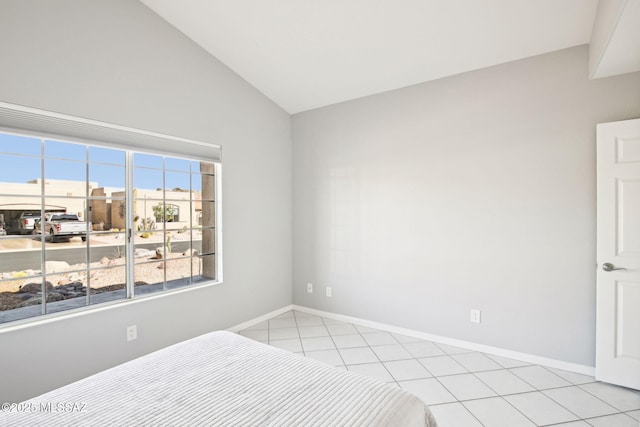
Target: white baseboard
497 351
525 357
249 323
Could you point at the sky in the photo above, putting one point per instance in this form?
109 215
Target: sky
21 161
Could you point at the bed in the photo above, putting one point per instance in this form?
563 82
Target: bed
223 379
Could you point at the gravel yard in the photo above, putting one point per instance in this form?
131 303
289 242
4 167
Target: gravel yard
66 281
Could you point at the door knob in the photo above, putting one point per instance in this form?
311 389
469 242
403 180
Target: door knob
607 266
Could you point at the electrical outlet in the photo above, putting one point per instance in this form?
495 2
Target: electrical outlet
132 333
329 291
310 288
475 315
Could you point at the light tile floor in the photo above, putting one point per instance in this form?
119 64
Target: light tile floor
462 387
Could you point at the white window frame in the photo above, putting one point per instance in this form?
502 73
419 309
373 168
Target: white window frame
36 123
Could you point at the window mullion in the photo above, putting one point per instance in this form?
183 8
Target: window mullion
129 225
191 211
87 219
165 253
43 239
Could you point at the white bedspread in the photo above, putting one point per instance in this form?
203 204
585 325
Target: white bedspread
222 379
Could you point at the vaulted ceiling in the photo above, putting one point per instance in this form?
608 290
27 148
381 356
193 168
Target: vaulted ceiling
304 54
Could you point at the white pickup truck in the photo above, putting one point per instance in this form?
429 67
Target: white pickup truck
62 226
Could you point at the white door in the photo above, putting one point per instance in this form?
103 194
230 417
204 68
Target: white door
618 277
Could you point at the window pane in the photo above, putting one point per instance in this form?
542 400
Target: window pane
62 256
177 182
196 241
20 298
110 244
178 272
64 177
112 178
188 242
105 247
206 269
147 160
108 284
20 252
203 167
106 214
20 145
65 150
106 155
67 296
205 184
208 214
148 180
149 257
202 178
179 242
21 257
145 219
66 277
208 239
65 229
171 213
116 215
71 209
21 170
149 277
145 244
18 214
171 163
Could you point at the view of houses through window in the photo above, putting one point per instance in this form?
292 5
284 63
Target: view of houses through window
82 224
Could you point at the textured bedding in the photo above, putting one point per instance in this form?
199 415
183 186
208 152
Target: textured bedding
222 379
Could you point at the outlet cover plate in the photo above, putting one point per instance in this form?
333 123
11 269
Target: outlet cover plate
132 333
475 316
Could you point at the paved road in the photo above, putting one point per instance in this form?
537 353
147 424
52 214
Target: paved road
23 260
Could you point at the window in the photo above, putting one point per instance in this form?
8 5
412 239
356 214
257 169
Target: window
85 223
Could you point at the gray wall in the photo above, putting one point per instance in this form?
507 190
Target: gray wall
474 191
116 61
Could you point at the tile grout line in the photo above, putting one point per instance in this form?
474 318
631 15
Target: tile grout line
334 343
538 390
473 373
463 407
361 334
597 397
604 415
382 362
566 386
295 319
440 382
374 353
